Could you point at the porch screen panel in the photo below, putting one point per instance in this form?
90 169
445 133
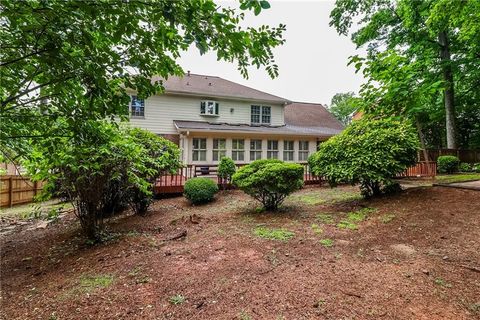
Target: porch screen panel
302 150
255 150
199 150
272 149
288 150
219 149
238 149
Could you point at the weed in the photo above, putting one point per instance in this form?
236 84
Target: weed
346 224
177 299
387 217
273 234
316 229
475 307
326 242
272 257
360 215
89 283
244 316
442 283
325 218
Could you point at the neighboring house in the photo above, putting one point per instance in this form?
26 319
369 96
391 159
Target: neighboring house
210 117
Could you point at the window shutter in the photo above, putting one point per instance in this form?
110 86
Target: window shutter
202 107
216 107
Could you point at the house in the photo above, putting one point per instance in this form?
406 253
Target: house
210 117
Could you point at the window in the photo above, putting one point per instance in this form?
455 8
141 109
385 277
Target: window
137 107
255 150
318 144
199 149
302 150
266 114
238 149
261 115
272 149
288 150
219 149
209 108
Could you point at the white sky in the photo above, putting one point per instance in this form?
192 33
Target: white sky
312 63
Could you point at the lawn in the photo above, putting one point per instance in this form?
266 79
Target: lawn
460 177
326 255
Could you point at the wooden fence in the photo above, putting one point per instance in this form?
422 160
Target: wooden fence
421 169
17 189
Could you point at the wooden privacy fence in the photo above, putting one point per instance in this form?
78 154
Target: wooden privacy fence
421 169
18 189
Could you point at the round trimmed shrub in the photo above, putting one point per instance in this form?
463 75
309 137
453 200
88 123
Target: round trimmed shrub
200 190
269 181
448 164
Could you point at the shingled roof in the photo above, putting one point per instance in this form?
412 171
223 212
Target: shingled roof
211 86
310 115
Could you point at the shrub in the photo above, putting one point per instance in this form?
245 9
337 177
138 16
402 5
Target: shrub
465 167
226 169
476 167
269 181
200 190
368 152
448 164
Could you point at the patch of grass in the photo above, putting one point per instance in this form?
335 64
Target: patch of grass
326 242
138 276
451 178
316 229
347 224
325 218
360 215
273 234
442 283
244 316
321 196
88 283
387 217
176 299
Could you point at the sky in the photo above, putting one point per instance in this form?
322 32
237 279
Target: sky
312 63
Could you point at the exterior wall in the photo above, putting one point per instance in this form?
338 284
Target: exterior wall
161 110
186 144
175 138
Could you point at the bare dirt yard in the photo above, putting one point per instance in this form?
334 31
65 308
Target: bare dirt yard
327 255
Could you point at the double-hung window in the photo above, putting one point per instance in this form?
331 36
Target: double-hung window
199 149
272 149
209 108
288 150
219 149
238 149
302 150
137 107
255 150
260 115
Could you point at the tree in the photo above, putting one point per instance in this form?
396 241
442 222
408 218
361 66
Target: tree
342 107
370 152
64 62
419 55
269 181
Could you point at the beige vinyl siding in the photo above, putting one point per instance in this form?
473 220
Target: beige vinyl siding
161 110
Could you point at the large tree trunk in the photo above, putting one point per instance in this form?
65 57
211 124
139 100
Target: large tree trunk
449 90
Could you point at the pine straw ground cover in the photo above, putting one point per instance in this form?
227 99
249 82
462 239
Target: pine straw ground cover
415 255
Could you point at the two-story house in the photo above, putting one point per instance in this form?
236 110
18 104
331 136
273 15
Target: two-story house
210 117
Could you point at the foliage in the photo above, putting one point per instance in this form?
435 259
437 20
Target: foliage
88 283
226 169
369 152
342 107
85 168
273 234
159 156
447 164
177 299
419 53
269 181
476 167
200 190
65 62
465 167
326 242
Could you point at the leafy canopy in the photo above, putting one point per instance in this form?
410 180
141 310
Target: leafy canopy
342 107
369 152
269 181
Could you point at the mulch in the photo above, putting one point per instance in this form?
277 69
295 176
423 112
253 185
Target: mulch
210 256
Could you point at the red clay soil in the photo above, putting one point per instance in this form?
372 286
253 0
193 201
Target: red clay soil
416 257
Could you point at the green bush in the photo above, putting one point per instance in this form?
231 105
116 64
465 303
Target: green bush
369 153
465 167
448 164
476 167
200 190
226 169
269 181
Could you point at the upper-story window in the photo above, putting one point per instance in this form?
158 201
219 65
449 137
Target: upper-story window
209 108
260 114
137 107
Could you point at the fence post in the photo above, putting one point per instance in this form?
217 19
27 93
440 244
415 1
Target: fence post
34 188
10 192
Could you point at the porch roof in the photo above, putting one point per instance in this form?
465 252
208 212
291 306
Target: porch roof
203 126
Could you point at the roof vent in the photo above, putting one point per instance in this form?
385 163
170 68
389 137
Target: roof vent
210 84
188 83
188 73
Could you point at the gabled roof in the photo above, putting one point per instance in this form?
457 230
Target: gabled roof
216 87
310 115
